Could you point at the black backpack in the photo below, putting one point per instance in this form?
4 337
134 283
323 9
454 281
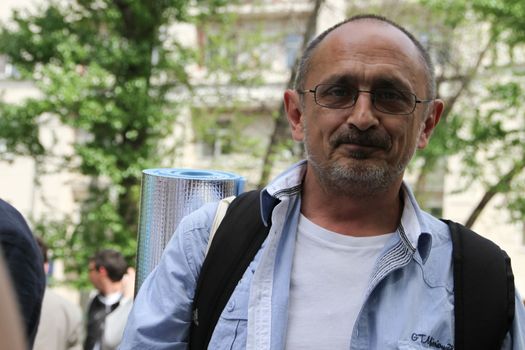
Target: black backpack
483 279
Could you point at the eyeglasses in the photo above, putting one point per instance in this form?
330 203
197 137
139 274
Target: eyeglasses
386 100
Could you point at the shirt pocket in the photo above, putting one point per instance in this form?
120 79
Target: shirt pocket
231 330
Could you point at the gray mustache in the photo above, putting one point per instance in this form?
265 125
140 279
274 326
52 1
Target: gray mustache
361 138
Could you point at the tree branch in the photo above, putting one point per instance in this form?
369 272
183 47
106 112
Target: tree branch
466 80
281 123
503 182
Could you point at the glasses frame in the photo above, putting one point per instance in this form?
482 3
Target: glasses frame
372 95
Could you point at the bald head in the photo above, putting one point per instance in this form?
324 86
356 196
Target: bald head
424 59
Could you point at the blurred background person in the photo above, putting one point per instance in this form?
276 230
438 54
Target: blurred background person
24 262
60 325
108 311
11 329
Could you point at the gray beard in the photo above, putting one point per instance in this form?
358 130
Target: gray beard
361 180
357 178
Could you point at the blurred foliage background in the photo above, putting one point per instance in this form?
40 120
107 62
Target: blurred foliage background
106 68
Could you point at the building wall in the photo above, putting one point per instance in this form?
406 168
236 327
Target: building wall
57 192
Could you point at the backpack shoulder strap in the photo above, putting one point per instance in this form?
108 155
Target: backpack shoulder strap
222 207
483 290
236 242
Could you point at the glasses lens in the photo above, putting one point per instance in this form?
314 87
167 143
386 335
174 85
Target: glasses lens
335 96
394 101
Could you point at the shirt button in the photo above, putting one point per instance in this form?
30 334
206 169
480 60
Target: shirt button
231 306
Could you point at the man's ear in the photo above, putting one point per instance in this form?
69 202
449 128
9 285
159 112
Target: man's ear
102 271
430 123
294 113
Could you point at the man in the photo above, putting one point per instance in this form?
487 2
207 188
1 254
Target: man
61 321
350 262
108 311
24 263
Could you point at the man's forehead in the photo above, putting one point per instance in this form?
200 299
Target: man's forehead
372 42
372 32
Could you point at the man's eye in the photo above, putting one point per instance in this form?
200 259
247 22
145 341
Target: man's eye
335 91
389 95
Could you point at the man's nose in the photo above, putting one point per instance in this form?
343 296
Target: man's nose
362 114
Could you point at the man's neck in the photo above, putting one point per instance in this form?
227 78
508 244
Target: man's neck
372 215
111 298
111 288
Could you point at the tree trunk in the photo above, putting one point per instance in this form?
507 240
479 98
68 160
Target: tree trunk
503 183
280 131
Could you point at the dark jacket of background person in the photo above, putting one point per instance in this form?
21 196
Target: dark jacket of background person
25 265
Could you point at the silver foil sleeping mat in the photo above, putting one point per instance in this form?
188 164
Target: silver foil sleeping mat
167 195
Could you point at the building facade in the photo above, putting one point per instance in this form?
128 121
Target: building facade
43 190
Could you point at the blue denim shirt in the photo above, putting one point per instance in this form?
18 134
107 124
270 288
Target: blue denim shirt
409 302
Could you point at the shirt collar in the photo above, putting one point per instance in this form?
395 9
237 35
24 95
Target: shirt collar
287 184
110 299
413 228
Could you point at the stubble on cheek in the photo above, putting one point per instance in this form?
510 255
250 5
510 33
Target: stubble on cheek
353 171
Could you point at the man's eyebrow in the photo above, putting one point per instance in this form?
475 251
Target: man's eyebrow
379 82
341 79
389 82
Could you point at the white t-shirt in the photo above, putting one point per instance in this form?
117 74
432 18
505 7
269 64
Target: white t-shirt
329 276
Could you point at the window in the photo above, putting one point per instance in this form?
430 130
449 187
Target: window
214 137
7 70
292 45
